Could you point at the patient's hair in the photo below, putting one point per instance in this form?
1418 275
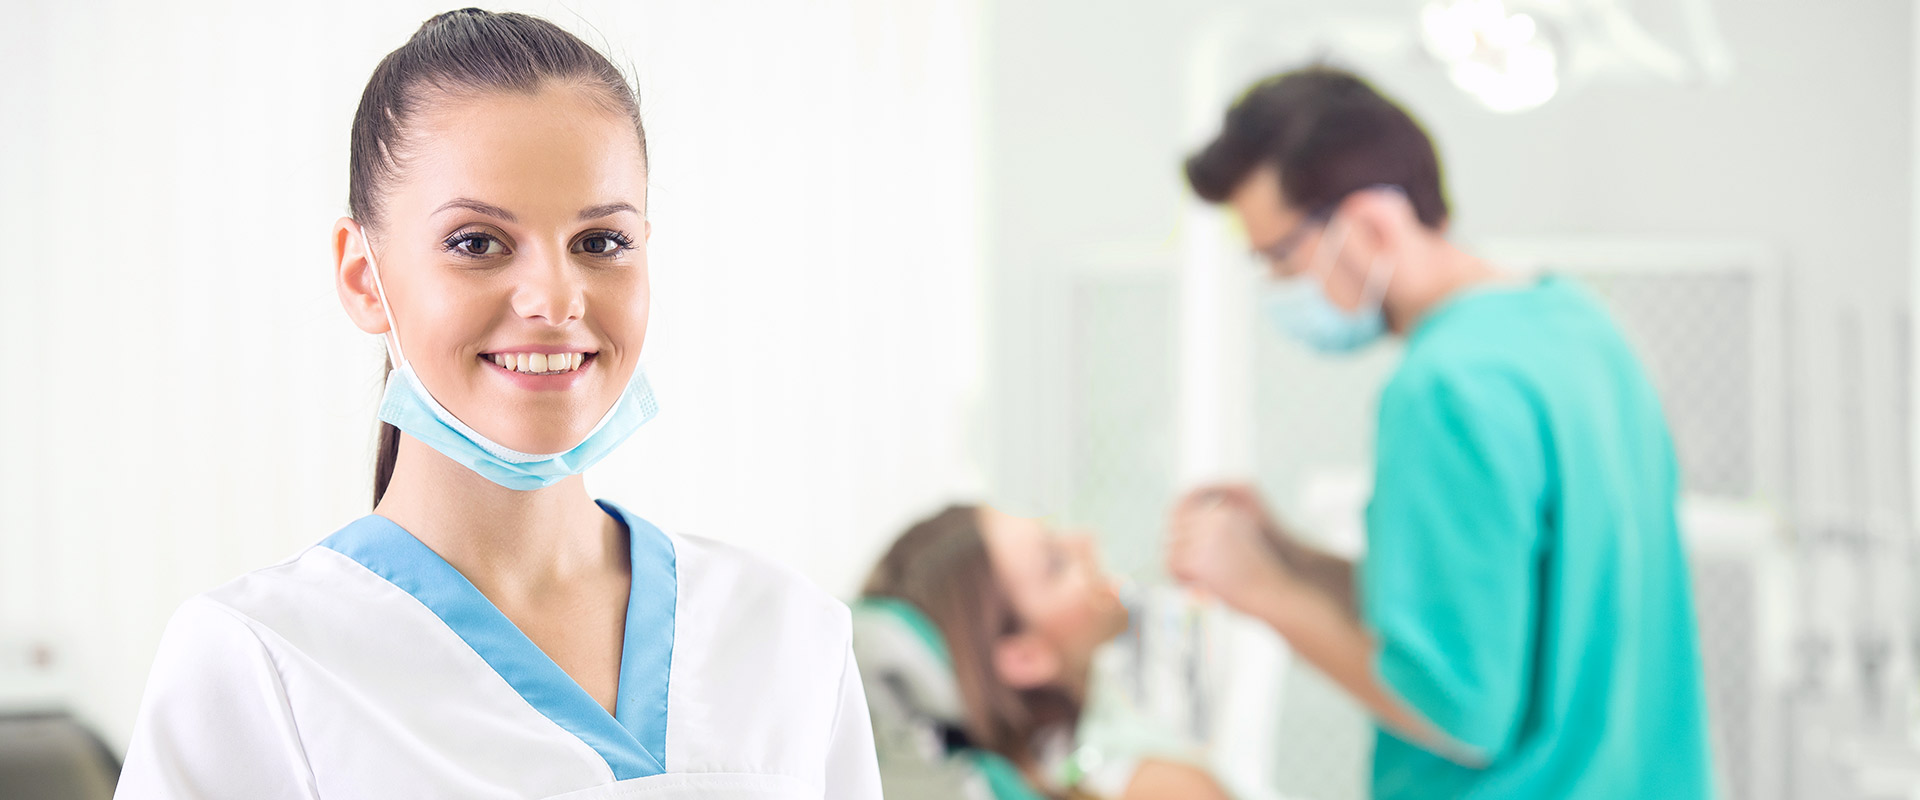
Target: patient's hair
941 567
455 55
1329 134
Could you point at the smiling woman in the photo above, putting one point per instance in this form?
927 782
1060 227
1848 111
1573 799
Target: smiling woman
491 630
547 183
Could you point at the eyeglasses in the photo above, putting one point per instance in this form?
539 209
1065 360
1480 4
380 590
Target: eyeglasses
1276 254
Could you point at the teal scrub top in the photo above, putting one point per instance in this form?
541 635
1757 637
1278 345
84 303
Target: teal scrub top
1524 579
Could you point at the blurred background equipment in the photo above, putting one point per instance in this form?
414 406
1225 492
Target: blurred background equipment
54 757
1513 55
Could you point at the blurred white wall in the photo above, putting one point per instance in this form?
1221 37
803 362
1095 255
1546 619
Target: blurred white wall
188 402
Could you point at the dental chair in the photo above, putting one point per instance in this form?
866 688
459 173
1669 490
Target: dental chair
51 756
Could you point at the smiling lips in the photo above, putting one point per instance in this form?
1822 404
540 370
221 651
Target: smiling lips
538 363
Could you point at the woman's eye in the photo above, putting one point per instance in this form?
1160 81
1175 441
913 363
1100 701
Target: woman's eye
477 244
602 244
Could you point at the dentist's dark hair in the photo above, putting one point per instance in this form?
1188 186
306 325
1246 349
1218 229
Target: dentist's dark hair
1328 133
456 55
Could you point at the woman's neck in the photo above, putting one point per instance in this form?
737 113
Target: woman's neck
1075 679
513 545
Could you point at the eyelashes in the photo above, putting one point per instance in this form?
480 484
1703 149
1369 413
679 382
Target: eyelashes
474 244
620 243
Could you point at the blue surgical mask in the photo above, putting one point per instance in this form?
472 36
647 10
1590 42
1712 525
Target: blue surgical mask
1299 307
408 406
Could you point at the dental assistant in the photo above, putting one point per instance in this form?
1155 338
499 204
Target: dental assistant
1521 624
491 631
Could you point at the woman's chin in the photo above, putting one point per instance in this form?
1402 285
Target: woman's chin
1116 624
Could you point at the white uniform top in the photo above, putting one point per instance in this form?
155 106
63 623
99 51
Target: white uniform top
366 666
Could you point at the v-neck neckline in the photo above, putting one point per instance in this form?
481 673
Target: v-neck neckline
632 740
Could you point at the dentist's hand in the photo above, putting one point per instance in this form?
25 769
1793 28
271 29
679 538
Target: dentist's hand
1222 544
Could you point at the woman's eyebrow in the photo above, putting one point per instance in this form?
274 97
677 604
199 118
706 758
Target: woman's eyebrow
590 212
596 212
475 205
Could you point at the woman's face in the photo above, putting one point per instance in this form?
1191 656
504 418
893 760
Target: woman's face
513 234
1055 584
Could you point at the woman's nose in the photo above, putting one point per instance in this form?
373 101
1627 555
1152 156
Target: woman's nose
1083 544
549 289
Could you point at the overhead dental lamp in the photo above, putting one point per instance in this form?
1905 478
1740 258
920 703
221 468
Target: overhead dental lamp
1513 55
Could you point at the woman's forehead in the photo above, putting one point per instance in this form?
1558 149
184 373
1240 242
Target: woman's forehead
1015 541
541 156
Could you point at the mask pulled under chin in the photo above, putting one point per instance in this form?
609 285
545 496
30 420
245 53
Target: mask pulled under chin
407 405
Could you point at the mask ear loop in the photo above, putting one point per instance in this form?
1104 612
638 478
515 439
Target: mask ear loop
394 352
1373 291
1374 294
399 357
1334 238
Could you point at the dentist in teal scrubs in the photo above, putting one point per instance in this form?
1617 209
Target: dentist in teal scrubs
1521 624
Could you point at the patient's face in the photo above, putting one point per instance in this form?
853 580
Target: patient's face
1055 583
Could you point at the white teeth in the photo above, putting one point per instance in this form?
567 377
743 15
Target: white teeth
539 363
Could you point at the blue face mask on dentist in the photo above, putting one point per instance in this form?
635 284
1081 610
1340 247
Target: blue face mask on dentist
1299 307
408 405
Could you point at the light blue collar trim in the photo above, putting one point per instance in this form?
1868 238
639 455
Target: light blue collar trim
646 658
633 739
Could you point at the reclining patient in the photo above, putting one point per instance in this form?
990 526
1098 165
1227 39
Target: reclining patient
976 637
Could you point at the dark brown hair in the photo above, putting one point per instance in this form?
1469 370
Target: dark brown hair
941 566
1329 134
454 55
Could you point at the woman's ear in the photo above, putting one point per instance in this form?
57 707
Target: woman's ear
1024 661
353 277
